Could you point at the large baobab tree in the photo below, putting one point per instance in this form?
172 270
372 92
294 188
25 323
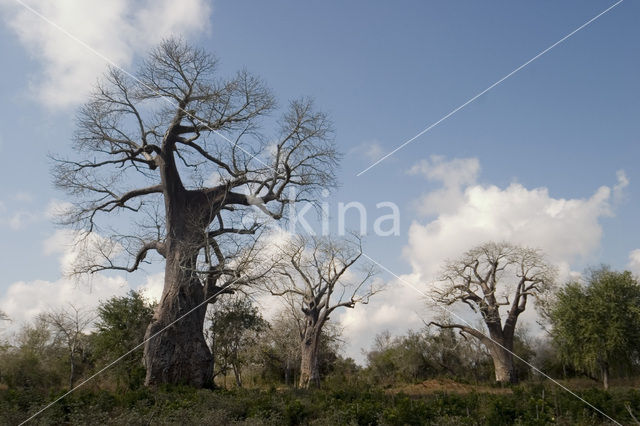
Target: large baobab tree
487 278
314 278
175 164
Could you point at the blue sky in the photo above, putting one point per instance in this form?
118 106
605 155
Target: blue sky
383 71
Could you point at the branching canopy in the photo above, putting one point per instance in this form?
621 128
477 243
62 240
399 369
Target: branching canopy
182 154
493 275
313 276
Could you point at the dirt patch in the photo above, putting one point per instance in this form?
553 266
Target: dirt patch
447 386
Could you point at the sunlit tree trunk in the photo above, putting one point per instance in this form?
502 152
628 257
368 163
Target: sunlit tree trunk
309 369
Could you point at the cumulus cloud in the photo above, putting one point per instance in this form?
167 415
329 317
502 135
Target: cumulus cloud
397 309
24 300
151 290
453 175
56 208
117 30
566 229
634 261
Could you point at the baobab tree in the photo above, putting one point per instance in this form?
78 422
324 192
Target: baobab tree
487 278
174 164
312 275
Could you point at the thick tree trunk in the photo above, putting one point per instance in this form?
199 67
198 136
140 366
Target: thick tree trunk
503 365
309 370
179 354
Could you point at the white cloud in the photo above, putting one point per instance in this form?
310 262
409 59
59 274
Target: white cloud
396 309
618 189
24 300
56 208
371 150
152 288
21 219
634 261
454 173
117 29
566 229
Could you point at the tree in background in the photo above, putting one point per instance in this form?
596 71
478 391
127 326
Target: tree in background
178 153
34 358
421 355
69 325
235 325
596 324
279 352
121 325
486 278
312 277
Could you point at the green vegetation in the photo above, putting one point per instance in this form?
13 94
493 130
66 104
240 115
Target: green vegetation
356 404
431 376
596 324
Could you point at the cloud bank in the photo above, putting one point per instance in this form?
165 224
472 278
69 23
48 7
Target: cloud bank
24 300
116 29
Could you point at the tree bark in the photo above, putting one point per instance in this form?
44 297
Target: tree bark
605 376
237 375
72 373
179 354
309 369
503 364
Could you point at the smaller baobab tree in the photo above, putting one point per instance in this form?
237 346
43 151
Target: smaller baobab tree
312 274
487 278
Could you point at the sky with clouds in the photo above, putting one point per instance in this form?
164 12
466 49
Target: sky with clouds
545 159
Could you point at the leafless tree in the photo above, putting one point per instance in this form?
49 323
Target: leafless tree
313 277
175 164
485 278
69 326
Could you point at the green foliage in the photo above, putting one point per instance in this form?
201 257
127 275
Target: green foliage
121 325
34 360
235 328
351 405
423 355
596 326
